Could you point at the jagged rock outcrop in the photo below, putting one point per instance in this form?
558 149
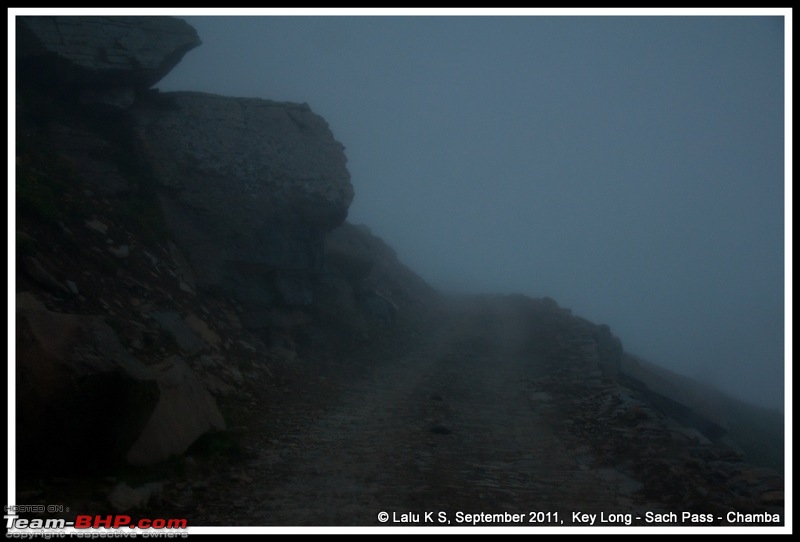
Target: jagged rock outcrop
105 58
249 189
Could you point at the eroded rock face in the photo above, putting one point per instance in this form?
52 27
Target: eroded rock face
251 187
103 52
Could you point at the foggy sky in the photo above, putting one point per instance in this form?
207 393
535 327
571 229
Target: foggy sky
631 168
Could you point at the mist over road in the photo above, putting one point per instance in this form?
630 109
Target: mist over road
452 424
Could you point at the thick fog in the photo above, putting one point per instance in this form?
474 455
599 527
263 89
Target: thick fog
631 168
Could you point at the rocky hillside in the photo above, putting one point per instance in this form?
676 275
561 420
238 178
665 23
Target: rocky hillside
171 246
185 267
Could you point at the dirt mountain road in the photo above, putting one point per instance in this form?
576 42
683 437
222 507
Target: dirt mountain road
456 423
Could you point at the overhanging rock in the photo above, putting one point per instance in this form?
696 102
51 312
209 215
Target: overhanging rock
249 188
101 52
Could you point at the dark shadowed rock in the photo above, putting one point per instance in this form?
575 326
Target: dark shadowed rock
364 287
338 309
35 271
251 188
108 55
349 254
91 157
355 254
123 497
184 412
78 384
171 322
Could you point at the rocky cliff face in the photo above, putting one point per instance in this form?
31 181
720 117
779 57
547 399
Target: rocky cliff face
150 226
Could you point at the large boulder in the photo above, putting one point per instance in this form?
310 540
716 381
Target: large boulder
102 52
77 385
249 188
184 412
